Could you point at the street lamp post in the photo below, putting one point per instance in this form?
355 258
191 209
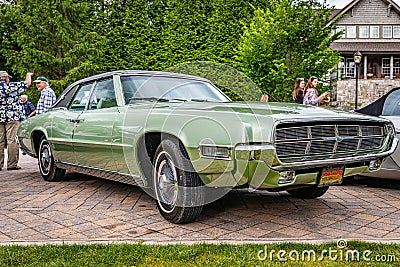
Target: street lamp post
357 61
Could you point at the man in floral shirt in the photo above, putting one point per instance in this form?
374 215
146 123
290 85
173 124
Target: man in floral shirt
11 114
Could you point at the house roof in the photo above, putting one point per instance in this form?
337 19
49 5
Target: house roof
366 47
343 11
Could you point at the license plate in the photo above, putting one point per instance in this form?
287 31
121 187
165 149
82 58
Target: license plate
331 176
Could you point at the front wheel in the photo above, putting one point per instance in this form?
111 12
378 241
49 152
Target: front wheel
49 171
308 192
178 189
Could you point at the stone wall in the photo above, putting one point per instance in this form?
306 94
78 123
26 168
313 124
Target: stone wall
343 96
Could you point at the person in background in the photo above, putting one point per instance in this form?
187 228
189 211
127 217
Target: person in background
28 107
311 95
298 92
264 98
47 95
11 114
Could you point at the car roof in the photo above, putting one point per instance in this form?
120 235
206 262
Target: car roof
126 73
140 72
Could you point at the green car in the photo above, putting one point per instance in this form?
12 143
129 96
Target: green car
187 144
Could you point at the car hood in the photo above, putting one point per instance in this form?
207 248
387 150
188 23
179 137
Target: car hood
230 123
275 110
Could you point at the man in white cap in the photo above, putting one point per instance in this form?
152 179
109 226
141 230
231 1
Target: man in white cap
47 95
11 114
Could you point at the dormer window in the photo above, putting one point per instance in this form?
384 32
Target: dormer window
396 31
387 32
374 32
341 29
364 32
351 32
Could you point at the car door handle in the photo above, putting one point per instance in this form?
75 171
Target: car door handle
75 120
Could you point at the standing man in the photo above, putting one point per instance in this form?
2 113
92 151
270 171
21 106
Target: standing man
11 114
47 95
29 108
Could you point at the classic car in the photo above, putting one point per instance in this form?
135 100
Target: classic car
186 143
387 106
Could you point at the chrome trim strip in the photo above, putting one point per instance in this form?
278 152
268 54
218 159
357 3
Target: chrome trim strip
121 177
253 147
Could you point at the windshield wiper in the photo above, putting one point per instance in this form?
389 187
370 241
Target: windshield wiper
154 99
179 99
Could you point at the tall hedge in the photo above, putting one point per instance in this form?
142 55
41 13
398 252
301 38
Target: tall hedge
66 40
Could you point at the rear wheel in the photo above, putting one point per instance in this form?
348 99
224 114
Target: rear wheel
177 187
308 192
49 171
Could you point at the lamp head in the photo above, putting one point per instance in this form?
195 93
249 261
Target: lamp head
357 57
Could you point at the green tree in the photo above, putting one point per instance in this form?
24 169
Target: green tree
6 28
49 38
289 39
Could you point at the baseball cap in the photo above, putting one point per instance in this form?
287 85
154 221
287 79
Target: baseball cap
41 79
4 74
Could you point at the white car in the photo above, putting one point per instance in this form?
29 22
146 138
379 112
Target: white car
388 106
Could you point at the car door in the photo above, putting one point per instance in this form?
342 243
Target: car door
128 125
94 127
64 122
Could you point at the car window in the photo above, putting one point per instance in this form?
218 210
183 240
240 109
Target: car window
66 97
392 104
81 97
169 88
103 95
130 86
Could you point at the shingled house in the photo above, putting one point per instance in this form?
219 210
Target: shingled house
373 28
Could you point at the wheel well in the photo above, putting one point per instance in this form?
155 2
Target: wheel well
146 150
36 137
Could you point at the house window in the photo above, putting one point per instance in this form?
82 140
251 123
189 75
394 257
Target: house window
387 31
396 66
364 32
341 69
351 32
350 68
386 66
374 32
341 29
396 31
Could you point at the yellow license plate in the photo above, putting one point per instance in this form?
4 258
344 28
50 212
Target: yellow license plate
331 176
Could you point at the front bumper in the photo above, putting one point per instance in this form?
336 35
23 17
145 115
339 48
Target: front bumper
260 168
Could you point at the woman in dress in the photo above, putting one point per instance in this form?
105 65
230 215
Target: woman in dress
311 95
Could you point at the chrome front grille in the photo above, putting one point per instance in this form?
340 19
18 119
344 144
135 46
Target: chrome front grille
296 143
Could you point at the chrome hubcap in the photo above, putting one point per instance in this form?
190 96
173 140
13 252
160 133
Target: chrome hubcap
167 182
45 159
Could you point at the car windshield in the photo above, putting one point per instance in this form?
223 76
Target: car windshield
139 88
392 104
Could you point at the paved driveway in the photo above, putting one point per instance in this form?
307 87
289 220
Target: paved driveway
86 209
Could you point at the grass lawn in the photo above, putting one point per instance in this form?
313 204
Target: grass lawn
353 253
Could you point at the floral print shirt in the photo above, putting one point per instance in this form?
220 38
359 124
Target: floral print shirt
310 98
11 108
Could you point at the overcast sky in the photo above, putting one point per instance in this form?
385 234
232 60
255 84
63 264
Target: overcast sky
343 3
